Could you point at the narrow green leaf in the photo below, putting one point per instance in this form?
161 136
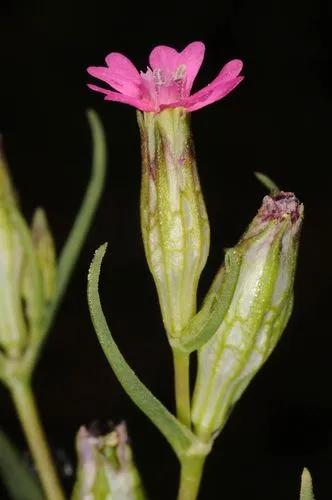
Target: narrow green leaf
179 436
76 238
306 486
267 182
19 480
214 308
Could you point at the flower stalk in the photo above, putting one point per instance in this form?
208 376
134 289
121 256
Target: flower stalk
191 476
27 412
182 386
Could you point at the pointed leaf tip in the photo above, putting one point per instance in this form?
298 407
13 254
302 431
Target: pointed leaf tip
267 182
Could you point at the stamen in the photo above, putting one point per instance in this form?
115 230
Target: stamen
159 77
180 73
163 86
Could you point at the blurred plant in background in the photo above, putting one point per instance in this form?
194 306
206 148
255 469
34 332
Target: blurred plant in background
33 282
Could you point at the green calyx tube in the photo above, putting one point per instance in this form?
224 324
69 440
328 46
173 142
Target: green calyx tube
174 221
257 313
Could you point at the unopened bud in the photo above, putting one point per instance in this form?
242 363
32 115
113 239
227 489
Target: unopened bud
45 251
7 195
13 332
105 467
257 313
174 222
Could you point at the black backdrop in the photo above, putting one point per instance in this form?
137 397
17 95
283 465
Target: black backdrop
276 121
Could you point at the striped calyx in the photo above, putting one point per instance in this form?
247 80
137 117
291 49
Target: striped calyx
174 222
257 313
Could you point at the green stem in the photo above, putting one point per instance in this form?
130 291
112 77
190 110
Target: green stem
27 412
182 386
191 476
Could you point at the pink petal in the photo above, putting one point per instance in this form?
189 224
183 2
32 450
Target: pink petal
192 57
98 89
120 74
226 80
230 70
121 65
164 58
126 99
121 85
210 94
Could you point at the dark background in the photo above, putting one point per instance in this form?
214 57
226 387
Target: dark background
277 121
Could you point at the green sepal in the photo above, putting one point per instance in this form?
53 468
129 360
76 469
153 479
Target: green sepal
33 294
7 193
45 251
215 306
307 492
181 439
13 330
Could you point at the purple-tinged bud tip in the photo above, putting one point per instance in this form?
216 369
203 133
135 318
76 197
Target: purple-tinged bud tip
279 206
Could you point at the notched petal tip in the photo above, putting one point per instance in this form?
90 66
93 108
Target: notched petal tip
164 58
121 66
231 70
211 93
92 69
194 48
192 57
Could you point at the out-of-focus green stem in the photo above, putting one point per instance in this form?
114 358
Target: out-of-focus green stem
76 238
27 412
191 476
16 371
182 386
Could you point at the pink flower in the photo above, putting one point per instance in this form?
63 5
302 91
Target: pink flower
167 82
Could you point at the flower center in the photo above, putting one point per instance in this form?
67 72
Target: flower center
164 87
279 206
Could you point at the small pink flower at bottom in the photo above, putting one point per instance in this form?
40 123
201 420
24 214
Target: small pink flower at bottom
167 82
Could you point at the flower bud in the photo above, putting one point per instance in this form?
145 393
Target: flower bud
13 332
105 467
7 195
45 251
257 313
27 270
174 222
